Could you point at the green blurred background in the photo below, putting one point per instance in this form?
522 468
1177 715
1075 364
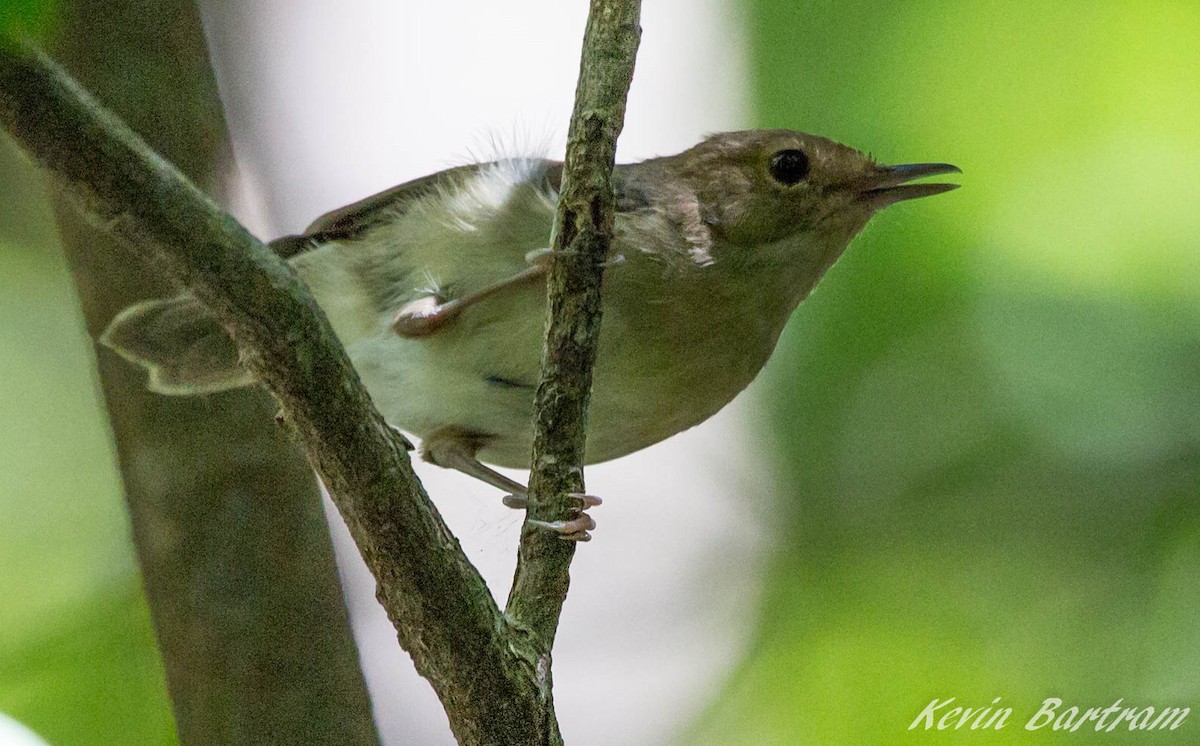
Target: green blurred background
987 419
986 422
77 657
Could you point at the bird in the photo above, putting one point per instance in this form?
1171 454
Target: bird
436 290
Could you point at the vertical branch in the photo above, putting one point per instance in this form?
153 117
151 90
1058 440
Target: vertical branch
582 235
231 538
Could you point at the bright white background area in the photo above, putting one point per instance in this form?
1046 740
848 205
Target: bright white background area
329 102
13 733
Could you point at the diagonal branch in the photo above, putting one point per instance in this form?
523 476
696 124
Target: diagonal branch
491 672
239 533
583 231
443 613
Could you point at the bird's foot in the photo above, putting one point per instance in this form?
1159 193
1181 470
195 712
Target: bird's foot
519 501
543 257
424 316
573 529
428 314
455 448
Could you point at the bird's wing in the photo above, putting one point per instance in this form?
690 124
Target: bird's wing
351 221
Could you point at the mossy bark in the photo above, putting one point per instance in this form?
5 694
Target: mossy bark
231 537
490 669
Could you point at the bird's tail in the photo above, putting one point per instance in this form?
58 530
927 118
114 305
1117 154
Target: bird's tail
180 343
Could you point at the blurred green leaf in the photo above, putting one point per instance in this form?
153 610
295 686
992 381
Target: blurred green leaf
90 677
77 654
59 491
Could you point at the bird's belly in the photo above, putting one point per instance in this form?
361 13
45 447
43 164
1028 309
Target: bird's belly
422 388
660 389
652 379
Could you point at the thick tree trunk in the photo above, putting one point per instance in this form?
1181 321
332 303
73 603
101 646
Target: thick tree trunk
233 547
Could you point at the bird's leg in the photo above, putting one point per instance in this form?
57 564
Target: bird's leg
455 448
430 313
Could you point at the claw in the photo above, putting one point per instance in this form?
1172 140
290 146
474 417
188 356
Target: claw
423 317
455 448
543 257
575 529
584 501
579 501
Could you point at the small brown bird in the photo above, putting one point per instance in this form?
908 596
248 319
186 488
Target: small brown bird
432 288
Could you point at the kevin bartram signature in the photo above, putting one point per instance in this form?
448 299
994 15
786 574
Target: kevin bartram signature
945 714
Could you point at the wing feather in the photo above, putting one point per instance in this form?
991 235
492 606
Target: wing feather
349 222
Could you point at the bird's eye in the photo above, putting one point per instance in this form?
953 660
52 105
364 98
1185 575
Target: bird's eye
788 167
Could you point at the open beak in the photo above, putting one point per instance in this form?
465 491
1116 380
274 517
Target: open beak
889 184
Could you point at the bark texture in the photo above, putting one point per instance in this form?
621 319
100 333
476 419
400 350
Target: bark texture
442 610
231 537
583 231
491 670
